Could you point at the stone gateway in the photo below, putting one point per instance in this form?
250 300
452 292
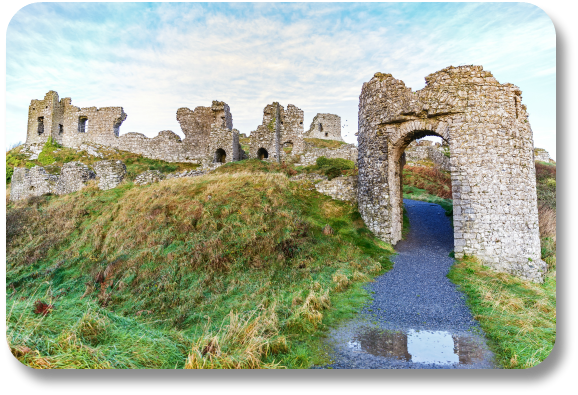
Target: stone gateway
491 146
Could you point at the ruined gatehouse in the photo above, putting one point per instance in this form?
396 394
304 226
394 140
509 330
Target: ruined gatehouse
486 126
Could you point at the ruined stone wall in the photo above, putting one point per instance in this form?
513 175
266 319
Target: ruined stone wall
72 126
492 167
325 126
340 188
44 116
311 153
109 173
540 154
37 181
427 151
291 132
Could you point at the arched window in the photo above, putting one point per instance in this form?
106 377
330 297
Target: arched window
262 153
220 156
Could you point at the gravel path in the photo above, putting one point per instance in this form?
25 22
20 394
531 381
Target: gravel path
418 319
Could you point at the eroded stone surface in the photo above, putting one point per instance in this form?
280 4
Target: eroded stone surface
110 173
37 181
149 177
492 162
326 127
340 188
266 144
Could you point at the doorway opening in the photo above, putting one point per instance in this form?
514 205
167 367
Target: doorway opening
262 153
220 156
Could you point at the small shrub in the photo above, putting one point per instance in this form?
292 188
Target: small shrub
9 173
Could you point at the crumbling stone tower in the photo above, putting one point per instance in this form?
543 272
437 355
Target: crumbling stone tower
70 125
265 142
491 160
326 127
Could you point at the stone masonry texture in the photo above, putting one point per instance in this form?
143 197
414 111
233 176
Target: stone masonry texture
326 127
204 128
486 127
265 138
37 181
110 173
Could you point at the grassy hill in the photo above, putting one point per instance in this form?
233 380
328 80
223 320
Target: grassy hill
234 269
229 270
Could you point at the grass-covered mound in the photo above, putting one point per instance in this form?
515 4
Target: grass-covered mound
322 143
331 167
231 269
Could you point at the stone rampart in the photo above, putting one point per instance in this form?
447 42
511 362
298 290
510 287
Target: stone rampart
37 181
340 188
73 127
109 173
492 162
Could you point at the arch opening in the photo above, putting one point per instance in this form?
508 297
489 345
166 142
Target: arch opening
418 167
220 156
262 153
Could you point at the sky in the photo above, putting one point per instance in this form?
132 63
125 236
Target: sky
153 58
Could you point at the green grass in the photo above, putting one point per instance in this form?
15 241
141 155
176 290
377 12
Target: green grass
160 275
321 143
518 317
331 167
54 155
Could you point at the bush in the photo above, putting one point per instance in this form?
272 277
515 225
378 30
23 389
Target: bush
45 158
340 163
9 173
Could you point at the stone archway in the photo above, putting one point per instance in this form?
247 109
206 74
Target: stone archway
220 156
491 157
262 153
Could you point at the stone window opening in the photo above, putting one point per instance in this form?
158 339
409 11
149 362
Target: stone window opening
262 153
220 156
60 128
326 134
40 125
82 124
320 127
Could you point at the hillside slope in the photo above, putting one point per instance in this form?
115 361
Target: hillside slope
230 269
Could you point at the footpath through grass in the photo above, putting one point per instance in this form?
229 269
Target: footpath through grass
227 270
518 317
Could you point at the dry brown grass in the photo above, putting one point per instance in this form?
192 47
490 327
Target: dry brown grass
242 342
547 221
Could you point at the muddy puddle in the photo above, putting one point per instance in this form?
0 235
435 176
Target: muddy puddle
419 346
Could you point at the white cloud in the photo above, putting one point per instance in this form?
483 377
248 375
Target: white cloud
173 56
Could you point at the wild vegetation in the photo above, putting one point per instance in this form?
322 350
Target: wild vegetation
227 270
322 143
53 156
331 167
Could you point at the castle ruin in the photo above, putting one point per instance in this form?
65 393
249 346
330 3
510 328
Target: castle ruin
206 129
326 127
485 124
278 137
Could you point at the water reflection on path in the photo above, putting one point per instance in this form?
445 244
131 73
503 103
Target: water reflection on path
428 347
